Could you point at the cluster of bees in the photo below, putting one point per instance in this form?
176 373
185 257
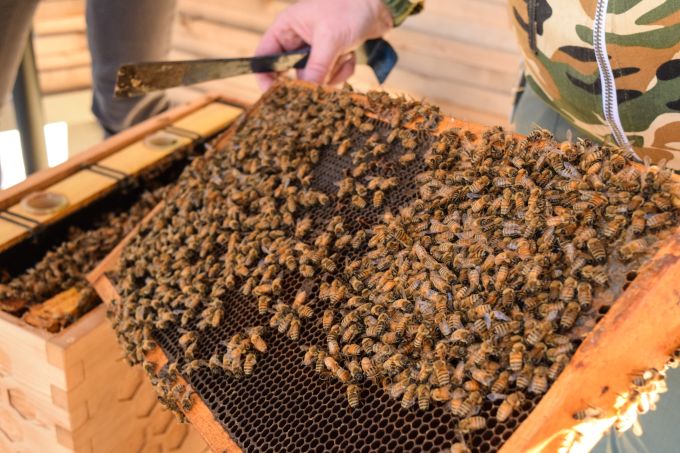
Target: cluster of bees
468 292
65 265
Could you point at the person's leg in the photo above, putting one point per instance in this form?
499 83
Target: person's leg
125 31
15 23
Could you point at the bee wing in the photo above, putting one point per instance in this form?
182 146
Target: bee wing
496 396
487 320
500 315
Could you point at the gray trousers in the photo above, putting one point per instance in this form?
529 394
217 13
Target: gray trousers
118 31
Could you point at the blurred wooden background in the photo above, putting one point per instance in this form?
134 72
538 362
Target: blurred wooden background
459 54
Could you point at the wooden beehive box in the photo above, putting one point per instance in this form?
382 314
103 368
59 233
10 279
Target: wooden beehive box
639 332
72 391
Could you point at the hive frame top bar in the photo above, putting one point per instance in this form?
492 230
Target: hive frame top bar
600 368
86 163
46 177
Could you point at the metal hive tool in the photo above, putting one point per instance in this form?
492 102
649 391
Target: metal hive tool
286 406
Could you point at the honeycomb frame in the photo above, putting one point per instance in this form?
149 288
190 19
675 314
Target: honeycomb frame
290 400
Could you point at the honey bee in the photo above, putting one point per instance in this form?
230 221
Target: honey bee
369 369
294 329
310 355
355 371
500 385
569 315
662 201
378 198
328 265
479 184
343 241
320 362
353 395
255 334
503 329
658 220
307 271
409 396
249 364
358 202
511 403
421 335
557 366
407 158
517 356
395 363
187 338
459 403
332 366
525 376
441 372
345 187
350 333
613 227
597 249
482 376
408 140
440 394
303 227
358 239
533 277
539 381
599 275
327 318
587 413
423 395
632 248
474 423
344 147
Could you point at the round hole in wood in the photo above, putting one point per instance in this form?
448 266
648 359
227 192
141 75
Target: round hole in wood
43 203
161 140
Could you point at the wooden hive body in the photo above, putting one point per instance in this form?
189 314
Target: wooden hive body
72 391
639 332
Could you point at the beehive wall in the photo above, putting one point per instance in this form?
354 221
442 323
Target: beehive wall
64 393
459 54
60 45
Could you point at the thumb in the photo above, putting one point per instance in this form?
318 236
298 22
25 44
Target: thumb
325 52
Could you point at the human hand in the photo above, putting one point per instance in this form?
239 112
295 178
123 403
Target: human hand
333 29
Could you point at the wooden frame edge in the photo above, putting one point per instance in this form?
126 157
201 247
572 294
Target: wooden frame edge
603 360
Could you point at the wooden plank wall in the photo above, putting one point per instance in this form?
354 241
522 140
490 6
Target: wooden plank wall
60 42
459 54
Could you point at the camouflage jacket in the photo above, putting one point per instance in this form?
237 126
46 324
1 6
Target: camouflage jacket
612 69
